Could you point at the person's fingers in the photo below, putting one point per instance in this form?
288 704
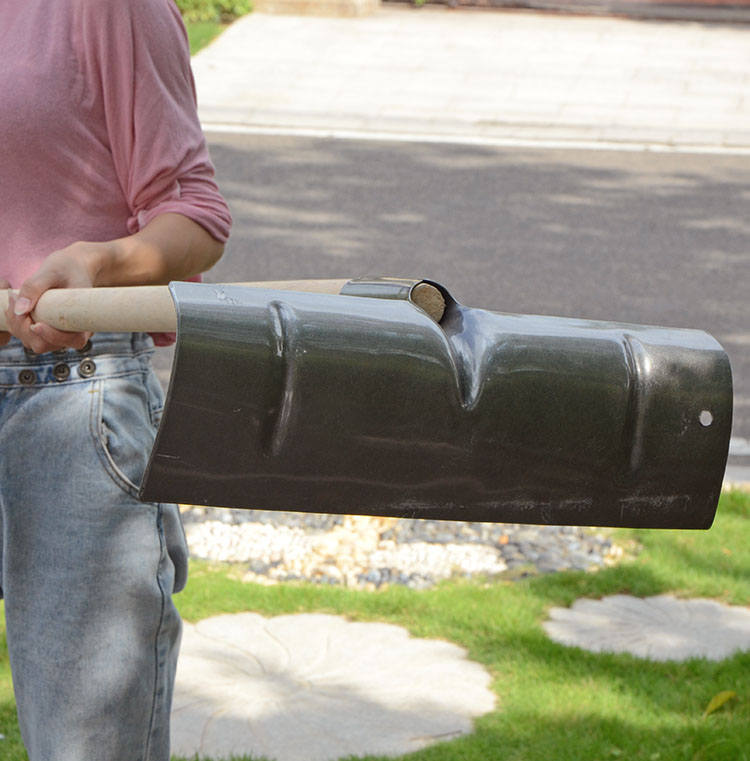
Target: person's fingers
61 269
58 339
32 288
38 336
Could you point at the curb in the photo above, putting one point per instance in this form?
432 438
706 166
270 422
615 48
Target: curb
713 13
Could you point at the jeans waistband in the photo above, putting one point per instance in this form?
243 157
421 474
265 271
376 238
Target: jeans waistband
105 354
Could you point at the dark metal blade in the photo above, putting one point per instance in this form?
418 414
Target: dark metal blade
349 404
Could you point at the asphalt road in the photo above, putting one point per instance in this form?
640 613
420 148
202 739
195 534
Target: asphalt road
650 238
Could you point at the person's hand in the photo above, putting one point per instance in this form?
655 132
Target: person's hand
4 336
67 268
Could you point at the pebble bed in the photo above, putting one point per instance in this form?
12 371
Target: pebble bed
366 552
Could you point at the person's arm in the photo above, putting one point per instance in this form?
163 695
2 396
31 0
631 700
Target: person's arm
177 218
169 247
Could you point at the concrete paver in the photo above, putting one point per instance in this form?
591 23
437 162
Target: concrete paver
314 687
659 628
488 75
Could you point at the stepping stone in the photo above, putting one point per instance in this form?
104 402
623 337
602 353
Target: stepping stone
661 628
315 687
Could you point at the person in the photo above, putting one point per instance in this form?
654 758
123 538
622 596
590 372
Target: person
105 180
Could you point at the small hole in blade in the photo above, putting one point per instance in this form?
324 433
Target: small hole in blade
706 418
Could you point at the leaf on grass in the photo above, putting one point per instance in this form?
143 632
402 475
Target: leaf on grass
718 700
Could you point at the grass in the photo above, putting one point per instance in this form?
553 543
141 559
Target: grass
201 33
554 703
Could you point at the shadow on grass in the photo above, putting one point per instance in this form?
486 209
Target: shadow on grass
632 578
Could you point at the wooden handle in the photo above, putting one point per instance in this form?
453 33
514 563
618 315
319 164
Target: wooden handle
150 308
142 309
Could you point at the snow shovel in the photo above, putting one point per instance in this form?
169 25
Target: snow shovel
365 402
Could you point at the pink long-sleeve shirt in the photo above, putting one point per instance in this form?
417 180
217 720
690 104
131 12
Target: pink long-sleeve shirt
98 127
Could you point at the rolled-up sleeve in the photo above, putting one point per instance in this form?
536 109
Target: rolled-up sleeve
140 53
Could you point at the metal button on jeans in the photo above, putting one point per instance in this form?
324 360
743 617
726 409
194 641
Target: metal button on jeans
27 377
61 372
86 348
87 368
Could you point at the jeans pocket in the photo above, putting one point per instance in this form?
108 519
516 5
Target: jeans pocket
155 398
123 429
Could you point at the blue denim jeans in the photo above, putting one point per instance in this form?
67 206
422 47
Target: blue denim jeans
88 571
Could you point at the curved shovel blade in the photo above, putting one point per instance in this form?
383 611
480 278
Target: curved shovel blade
346 404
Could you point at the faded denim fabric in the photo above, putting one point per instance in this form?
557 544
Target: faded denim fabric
87 570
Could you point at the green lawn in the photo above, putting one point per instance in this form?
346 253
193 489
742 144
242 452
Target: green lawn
554 703
200 33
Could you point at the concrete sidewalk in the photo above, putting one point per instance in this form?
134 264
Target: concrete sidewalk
495 77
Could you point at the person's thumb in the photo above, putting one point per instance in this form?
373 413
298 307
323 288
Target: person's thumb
31 290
